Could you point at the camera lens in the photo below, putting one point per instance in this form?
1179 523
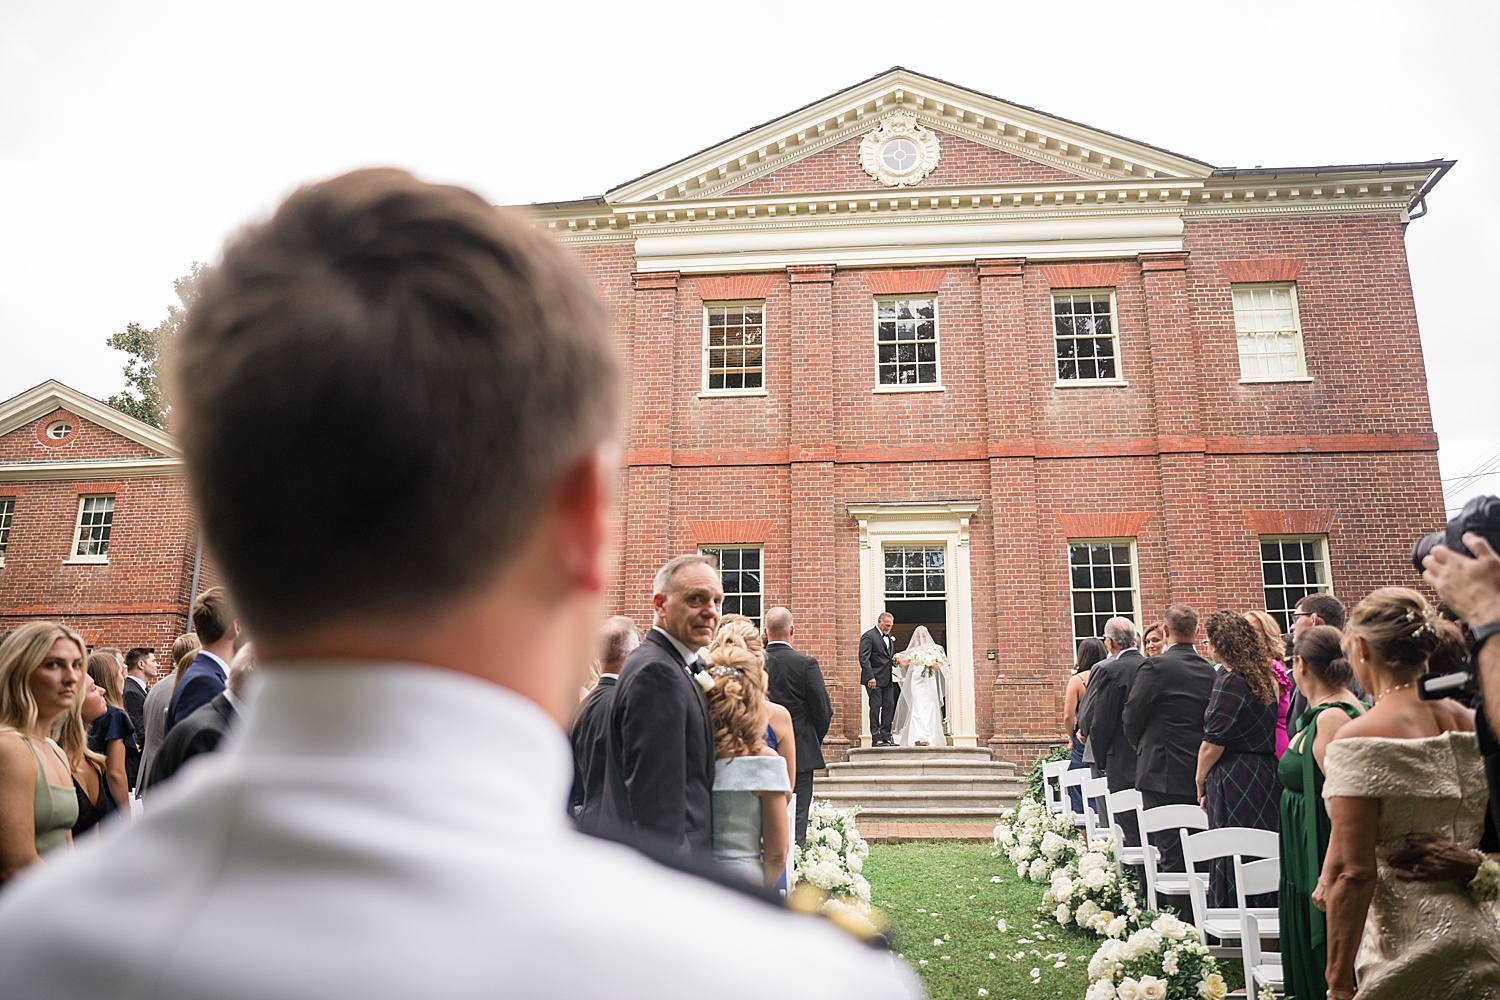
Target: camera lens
1424 546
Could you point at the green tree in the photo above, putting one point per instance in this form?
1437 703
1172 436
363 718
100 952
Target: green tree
145 395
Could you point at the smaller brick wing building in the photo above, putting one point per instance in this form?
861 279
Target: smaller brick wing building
95 526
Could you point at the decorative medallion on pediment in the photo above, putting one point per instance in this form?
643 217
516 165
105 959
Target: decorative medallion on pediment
900 152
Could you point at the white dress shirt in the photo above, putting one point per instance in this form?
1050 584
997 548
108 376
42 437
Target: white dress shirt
397 831
688 653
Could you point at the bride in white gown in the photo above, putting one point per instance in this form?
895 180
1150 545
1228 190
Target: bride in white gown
924 691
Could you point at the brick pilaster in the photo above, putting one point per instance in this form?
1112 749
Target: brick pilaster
647 489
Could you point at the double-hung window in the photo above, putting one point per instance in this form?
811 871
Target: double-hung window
96 517
906 345
1291 567
740 573
1269 332
1103 583
1086 338
734 350
7 512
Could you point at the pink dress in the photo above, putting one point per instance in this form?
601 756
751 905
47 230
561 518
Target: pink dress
1283 702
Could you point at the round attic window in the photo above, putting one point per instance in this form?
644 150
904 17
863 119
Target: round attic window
900 155
59 430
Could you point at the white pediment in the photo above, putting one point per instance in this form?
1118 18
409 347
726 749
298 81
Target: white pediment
37 402
1088 153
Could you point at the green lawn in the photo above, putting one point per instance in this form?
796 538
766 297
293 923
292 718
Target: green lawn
945 892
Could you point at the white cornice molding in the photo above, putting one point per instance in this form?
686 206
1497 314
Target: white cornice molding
1028 133
89 469
37 402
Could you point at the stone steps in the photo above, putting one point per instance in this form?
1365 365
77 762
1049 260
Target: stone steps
955 784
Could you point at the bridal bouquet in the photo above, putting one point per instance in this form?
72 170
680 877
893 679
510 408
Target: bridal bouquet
927 659
1161 960
834 855
1036 841
1087 891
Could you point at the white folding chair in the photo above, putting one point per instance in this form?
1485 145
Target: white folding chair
791 829
1097 829
1075 778
1173 819
1125 801
1222 924
1053 770
1252 878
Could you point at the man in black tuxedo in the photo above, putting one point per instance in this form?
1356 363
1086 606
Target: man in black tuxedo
203 729
875 652
796 684
659 760
590 733
1164 722
140 667
1109 688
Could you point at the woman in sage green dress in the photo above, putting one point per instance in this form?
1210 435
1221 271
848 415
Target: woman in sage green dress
1322 675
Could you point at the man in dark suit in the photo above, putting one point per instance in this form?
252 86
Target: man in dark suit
140 666
1109 688
214 621
659 760
875 652
796 684
204 729
590 732
1163 720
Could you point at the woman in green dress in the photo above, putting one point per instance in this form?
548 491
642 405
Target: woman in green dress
1322 675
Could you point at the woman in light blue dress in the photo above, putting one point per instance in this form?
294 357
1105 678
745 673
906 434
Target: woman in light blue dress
751 789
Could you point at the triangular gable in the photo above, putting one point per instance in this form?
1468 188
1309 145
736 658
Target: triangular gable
1023 133
103 432
961 162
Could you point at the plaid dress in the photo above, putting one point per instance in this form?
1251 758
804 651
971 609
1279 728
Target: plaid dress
1242 789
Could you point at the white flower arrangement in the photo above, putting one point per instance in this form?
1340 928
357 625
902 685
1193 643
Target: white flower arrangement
1100 902
1037 842
1485 885
1160 960
833 857
928 659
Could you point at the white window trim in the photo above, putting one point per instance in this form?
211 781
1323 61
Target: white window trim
73 558
12 527
1296 318
1114 327
1135 578
937 345
704 391
1321 539
761 547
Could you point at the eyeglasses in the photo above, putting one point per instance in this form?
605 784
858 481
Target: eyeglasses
1301 614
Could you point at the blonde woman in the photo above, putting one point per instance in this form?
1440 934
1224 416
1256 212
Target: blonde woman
111 732
751 787
779 736
154 715
41 675
91 781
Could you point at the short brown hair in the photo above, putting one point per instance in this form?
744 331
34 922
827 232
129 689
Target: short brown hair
1180 619
1326 607
212 615
376 392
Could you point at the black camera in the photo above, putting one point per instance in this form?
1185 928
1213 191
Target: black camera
1480 515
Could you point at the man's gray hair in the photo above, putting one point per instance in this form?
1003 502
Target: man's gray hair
1121 632
241 670
617 637
885 616
663 584
778 622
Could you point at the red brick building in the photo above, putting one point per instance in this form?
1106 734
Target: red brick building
917 348
95 527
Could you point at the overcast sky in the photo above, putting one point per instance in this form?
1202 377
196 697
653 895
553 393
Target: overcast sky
134 138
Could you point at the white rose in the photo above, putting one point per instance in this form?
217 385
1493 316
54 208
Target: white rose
1039 869
1092 860
1023 853
1151 988
832 839
1086 912
1062 886
1063 914
1102 989
1052 844
1128 989
855 863
1096 878
1020 871
1116 927
1213 987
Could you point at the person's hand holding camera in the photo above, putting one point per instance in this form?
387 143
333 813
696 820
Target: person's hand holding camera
1471 587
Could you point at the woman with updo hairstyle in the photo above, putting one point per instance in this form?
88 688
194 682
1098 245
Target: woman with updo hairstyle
752 832
1407 798
1237 783
1323 676
739 630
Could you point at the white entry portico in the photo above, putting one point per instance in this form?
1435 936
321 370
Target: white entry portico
942 526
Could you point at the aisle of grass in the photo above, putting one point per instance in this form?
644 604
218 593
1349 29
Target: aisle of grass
944 906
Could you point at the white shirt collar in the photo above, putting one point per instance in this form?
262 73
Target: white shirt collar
138 681
688 653
222 665
615 676
778 642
